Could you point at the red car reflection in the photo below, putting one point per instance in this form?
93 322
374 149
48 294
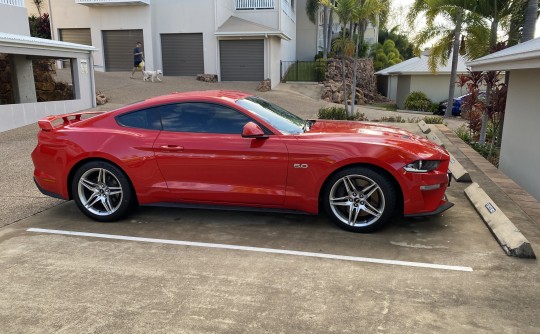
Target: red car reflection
229 149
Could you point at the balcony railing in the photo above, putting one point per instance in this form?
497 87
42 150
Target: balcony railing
18 3
112 2
254 4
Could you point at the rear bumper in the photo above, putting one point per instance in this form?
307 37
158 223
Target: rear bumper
48 193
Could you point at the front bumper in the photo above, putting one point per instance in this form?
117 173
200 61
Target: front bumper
443 207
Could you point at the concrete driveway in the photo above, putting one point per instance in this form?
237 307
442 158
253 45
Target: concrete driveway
198 271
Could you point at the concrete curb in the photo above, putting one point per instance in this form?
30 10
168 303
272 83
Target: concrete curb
424 127
458 171
512 241
433 137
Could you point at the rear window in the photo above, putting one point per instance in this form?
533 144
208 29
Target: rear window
141 119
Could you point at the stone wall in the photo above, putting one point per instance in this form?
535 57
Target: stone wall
6 84
366 84
47 89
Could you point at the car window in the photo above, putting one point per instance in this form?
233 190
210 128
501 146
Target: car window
202 117
141 119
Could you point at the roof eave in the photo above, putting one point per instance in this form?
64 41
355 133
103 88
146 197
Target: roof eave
30 45
254 34
504 62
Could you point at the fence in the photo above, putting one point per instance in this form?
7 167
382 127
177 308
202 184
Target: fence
254 4
18 3
303 70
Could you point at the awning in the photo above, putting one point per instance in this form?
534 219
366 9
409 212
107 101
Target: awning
237 27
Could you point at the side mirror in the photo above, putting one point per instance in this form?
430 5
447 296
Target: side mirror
252 130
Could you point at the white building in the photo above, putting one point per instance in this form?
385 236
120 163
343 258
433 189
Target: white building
20 85
518 157
413 75
239 40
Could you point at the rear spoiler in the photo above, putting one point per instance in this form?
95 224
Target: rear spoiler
46 124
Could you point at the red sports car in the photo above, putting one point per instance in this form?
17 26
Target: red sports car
228 149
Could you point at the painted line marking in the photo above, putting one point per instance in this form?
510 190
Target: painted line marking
255 249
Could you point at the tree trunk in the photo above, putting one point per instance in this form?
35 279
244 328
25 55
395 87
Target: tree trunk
355 67
455 59
530 20
489 86
330 35
343 72
325 32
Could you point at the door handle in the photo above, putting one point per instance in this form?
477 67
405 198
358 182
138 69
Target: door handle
172 148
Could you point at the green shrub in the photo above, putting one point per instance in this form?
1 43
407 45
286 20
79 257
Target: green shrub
463 133
433 120
418 101
339 113
392 119
320 70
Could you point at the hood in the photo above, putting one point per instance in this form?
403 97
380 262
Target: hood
370 132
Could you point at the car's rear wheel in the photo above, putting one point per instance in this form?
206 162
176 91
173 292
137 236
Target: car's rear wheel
102 191
359 199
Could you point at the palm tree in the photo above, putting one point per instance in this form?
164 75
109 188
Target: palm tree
531 14
344 11
461 15
312 11
39 5
363 13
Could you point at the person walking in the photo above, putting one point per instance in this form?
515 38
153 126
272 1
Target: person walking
137 59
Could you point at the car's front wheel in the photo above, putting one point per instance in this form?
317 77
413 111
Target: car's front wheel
359 199
102 191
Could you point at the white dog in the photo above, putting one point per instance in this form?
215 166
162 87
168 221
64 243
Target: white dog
151 75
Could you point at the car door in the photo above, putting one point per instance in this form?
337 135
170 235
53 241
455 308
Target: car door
204 158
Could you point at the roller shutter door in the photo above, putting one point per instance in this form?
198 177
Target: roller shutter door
182 54
242 60
118 48
79 36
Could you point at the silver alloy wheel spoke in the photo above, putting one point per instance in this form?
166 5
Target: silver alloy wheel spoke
344 201
106 204
89 185
95 197
370 189
353 210
115 191
371 210
349 185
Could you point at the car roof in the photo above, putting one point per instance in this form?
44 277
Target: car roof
230 95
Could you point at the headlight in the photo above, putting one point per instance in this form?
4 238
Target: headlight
422 166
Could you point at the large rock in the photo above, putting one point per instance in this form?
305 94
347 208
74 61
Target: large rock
366 85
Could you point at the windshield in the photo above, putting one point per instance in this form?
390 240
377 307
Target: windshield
279 118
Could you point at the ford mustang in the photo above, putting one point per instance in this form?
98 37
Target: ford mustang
233 150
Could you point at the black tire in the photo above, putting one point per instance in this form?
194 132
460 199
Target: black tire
372 201
106 190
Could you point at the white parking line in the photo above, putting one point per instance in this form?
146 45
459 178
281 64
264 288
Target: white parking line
255 249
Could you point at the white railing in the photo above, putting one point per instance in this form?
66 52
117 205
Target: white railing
254 4
19 3
111 2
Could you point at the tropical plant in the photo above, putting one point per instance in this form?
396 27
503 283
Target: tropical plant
385 55
39 5
40 26
402 43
